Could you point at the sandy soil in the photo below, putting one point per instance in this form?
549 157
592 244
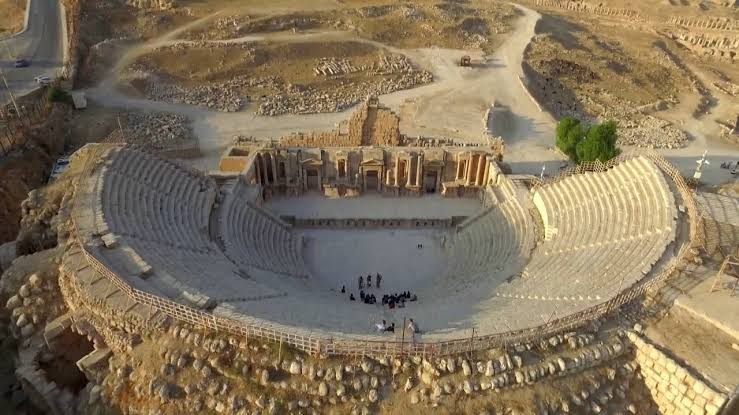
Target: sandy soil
12 17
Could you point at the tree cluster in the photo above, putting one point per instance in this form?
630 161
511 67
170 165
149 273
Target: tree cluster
587 143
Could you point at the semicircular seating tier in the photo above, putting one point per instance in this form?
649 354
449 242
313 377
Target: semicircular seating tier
253 237
604 231
497 241
152 219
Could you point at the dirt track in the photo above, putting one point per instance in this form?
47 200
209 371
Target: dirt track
452 106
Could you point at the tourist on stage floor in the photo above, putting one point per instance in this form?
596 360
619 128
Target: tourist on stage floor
361 295
381 327
343 289
390 328
413 327
369 281
361 282
379 279
351 297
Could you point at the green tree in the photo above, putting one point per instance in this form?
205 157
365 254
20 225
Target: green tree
581 143
569 133
599 143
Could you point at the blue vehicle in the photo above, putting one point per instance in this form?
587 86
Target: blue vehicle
21 63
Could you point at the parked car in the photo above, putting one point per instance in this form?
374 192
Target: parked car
42 80
21 63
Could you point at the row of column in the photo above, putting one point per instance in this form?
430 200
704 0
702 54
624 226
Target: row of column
480 169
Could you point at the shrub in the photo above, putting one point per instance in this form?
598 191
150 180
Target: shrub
580 144
57 94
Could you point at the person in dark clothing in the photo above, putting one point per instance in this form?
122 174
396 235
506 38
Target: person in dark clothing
351 297
391 328
384 299
361 282
379 279
369 281
343 289
391 304
361 295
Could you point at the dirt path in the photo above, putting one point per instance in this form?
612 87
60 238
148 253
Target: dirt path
452 106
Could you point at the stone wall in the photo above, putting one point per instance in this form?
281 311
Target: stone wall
371 124
711 23
583 7
674 388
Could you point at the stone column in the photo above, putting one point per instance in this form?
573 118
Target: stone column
486 176
388 181
274 168
287 168
419 170
320 178
408 175
438 181
397 169
257 171
480 170
264 170
468 173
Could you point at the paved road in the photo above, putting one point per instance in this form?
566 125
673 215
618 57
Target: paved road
40 44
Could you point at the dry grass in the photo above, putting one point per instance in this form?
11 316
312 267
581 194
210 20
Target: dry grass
12 16
592 60
413 25
293 63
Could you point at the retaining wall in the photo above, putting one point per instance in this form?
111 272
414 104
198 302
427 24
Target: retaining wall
674 388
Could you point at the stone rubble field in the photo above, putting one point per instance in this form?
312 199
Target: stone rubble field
154 130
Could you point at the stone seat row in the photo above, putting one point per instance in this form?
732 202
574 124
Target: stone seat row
200 279
130 208
501 235
254 238
152 169
163 176
611 228
637 209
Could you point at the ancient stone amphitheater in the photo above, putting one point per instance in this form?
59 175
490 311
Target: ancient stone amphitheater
161 244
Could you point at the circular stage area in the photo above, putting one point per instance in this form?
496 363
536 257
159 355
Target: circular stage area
510 257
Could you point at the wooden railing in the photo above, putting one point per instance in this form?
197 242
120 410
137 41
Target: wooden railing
346 345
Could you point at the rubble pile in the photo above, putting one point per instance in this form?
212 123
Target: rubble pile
727 88
211 96
152 4
650 132
307 100
332 66
155 130
389 64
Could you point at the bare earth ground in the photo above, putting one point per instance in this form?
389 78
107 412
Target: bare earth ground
698 344
454 104
12 17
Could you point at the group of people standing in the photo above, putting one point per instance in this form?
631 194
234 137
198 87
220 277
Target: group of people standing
369 281
391 300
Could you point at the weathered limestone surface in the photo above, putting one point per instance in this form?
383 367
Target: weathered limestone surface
675 389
